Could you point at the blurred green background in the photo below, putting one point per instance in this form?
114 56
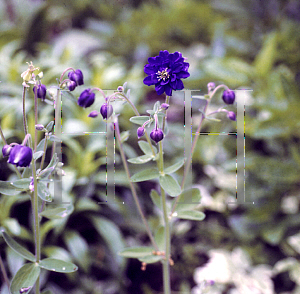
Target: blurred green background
245 44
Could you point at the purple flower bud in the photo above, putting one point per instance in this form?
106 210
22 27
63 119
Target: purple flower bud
120 89
86 98
76 76
164 106
94 113
6 150
231 115
106 110
40 91
211 86
140 132
20 156
228 96
72 85
39 127
157 135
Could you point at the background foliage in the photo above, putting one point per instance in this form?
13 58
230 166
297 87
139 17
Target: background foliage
248 43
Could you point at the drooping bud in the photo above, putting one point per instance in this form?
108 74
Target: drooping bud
140 132
76 76
6 150
72 85
231 115
39 127
228 96
120 89
211 86
164 106
94 113
157 135
40 91
86 98
20 156
106 110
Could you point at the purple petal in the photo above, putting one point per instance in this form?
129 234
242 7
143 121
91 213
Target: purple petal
182 75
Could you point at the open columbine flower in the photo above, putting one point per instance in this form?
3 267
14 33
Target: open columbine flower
165 71
20 156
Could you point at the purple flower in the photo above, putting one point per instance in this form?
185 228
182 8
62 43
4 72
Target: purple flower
228 96
165 71
157 135
6 150
72 85
140 132
106 110
231 115
86 98
164 106
40 91
76 76
93 113
20 156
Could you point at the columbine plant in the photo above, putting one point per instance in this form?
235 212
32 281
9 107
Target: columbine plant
28 159
165 72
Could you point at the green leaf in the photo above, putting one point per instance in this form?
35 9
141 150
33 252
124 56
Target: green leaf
190 198
170 185
146 148
47 292
156 106
17 247
54 213
141 159
57 265
151 258
136 252
40 146
38 154
124 136
173 168
50 126
145 175
139 120
54 138
22 183
160 238
69 95
25 277
155 198
151 112
191 214
7 188
53 162
43 192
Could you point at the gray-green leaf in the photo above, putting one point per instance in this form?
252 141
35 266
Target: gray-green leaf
141 159
38 154
188 199
7 188
146 148
57 265
58 212
173 168
43 192
139 120
145 175
191 214
136 252
170 185
155 198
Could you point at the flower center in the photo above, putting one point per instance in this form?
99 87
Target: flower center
163 75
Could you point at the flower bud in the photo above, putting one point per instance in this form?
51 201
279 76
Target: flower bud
157 135
20 156
39 127
76 76
120 89
6 150
40 91
86 98
94 113
140 132
211 86
106 110
72 85
231 115
164 106
228 96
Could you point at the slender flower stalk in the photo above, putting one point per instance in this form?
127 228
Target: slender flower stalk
24 111
4 273
35 118
135 197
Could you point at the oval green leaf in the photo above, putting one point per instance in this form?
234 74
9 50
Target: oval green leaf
160 238
7 188
141 159
191 214
139 120
145 175
155 198
57 265
188 200
17 247
173 168
43 192
50 126
58 212
38 154
136 252
145 147
25 277
22 183
170 185
151 258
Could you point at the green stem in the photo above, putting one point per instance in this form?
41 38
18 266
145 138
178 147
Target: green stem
44 155
35 117
135 197
24 112
4 272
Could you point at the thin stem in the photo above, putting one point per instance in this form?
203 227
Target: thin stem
4 272
44 154
62 75
35 118
165 117
24 111
133 190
